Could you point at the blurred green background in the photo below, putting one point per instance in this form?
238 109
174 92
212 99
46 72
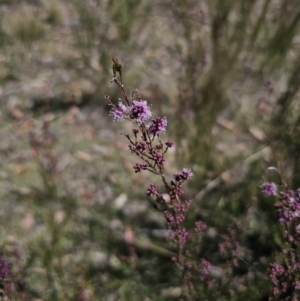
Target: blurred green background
227 76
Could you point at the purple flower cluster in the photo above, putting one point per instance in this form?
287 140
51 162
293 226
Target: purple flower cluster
297 285
285 276
139 111
285 279
169 143
288 207
180 218
205 267
181 207
157 157
157 126
146 144
200 226
5 269
183 175
277 274
170 218
176 190
152 190
117 112
182 235
230 244
269 188
7 277
138 167
139 147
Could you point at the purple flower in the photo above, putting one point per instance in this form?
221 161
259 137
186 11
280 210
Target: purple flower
169 143
159 146
118 111
141 147
157 125
200 226
138 147
188 202
139 111
152 190
276 270
176 190
170 218
288 207
297 285
180 218
181 208
9 287
205 266
269 188
138 167
5 269
183 175
157 157
182 235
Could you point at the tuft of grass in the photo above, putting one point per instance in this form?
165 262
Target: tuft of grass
29 30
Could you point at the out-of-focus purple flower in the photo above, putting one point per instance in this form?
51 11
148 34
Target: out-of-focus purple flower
288 207
282 219
181 208
180 218
191 286
5 269
152 190
157 157
277 269
9 287
176 191
169 143
297 285
171 235
182 235
81 295
139 111
189 265
269 188
122 107
200 226
158 125
138 147
138 167
188 202
118 111
205 266
183 175
141 146
170 218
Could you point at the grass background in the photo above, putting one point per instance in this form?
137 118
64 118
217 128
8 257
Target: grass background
226 75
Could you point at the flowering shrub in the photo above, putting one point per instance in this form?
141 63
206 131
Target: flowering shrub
196 271
145 142
6 275
285 271
9 282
